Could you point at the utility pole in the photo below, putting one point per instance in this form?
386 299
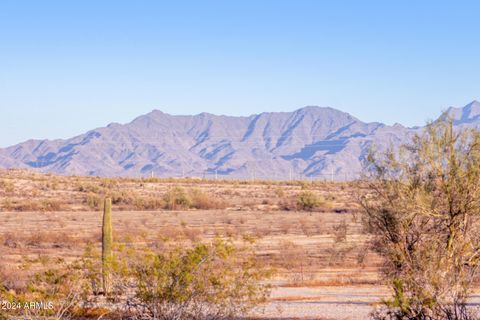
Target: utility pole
290 174
331 175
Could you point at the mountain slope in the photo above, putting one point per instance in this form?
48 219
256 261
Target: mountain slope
468 115
309 142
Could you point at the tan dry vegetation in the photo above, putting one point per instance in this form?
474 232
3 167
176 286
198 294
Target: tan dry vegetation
321 245
21 190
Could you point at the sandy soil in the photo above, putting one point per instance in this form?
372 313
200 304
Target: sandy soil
346 302
323 269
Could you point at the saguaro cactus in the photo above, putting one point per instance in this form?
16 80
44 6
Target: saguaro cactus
107 243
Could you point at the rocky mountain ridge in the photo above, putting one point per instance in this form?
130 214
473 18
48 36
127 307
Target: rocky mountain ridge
311 142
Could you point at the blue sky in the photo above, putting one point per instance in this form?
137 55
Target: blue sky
70 66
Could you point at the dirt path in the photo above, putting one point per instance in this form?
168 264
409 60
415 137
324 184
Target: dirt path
339 303
347 302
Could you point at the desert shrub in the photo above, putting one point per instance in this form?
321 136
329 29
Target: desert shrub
148 203
168 233
340 231
177 198
88 188
109 183
287 204
29 205
92 266
424 215
121 197
9 282
7 205
58 290
337 255
279 192
192 234
93 201
214 281
291 255
202 200
228 192
52 205
121 265
7 186
308 201
304 185
42 238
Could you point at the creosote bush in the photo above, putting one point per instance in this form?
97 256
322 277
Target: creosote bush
308 201
204 201
216 280
424 216
177 198
208 281
58 291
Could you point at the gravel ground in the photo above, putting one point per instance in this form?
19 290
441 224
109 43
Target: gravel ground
339 303
352 303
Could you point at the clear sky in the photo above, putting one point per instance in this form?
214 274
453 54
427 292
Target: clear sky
70 66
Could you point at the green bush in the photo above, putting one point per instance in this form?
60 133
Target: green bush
215 281
307 200
177 198
58 292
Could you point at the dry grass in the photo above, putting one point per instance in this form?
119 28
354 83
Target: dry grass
26 191
62 214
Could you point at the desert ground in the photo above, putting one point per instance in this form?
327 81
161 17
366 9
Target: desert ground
324 269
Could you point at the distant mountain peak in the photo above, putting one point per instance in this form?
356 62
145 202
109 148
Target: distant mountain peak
465 115
312 108
318 111
310 142
473 108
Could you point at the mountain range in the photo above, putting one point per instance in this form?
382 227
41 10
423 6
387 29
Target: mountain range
311 142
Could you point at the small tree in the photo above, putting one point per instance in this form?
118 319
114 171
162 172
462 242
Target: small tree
424 216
